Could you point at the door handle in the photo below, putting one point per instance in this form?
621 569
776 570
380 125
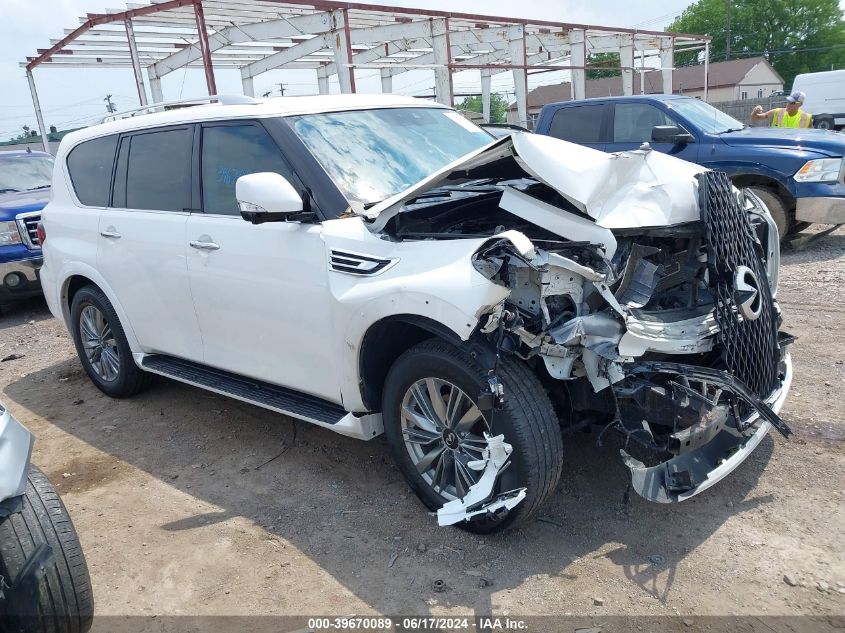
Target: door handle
110 232
204 246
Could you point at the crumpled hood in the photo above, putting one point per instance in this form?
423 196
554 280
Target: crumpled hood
624 190
822 141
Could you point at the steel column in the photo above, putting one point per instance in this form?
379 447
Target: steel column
136 65
667 64
322 81
248 87
706 68
578 61
626 60
342 51
485 94
443 59
37 107
156 93
516 43
386 81
202 34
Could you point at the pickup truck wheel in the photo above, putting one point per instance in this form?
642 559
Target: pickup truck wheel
45 581
434 427
777 208
102 346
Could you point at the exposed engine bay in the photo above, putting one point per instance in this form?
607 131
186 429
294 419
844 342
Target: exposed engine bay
667 333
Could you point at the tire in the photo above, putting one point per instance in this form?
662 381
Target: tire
777 208
62 600
825 123
527 421
122 377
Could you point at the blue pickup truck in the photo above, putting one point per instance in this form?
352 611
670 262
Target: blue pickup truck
25 178
799 174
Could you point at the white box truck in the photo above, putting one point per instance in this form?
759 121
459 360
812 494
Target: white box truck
825 93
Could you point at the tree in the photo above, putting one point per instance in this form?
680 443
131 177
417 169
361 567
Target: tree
797 35
598 61
498 106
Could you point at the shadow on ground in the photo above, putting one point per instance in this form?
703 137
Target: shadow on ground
343 504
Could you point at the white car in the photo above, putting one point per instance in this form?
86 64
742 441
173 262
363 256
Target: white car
377 264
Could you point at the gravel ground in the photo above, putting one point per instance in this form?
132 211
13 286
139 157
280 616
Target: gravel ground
181 510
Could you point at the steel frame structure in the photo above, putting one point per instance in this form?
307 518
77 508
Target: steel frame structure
335 38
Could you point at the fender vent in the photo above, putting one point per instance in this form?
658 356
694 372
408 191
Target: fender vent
355 264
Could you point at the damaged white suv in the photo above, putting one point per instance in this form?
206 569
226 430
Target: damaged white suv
378 264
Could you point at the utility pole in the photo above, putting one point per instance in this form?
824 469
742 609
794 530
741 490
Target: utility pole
281 89
728 29
110 107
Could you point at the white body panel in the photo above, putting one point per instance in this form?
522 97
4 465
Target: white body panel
146 268
262 302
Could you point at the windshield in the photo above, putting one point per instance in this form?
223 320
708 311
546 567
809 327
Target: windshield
704 116
25 173
374 154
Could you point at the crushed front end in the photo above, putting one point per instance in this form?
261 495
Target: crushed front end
671 336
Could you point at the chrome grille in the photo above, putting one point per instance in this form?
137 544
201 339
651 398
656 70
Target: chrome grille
749 347
28 226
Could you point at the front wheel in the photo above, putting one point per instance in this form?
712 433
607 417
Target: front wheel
777 208
434 428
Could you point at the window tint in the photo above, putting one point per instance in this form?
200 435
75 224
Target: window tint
159 170
229 152
632 122
578 124
89 165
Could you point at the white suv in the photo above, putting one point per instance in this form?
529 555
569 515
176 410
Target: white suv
379 264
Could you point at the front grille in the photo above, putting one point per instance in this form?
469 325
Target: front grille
749 347
28 225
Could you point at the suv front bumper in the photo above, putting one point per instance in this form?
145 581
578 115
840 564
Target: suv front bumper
824 210
694 471
20 279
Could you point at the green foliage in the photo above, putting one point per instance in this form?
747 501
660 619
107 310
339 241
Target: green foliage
498 107
598 60
784 29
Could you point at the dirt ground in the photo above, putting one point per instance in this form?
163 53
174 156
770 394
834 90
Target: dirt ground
180 510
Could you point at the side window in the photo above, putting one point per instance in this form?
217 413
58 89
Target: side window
229 152
632 122
578 124
89 165
158 174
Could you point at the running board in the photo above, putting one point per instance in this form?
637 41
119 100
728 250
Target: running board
263 394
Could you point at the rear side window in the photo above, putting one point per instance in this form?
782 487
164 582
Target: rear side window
89 165
229 152
157 170
578 124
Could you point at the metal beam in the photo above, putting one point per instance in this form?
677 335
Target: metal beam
35 104
485 95
667 63
386 81
206 51
155 85
441 50
578 60
342 47
516 42
136 65
626 60
292 53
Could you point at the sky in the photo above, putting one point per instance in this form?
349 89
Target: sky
74 97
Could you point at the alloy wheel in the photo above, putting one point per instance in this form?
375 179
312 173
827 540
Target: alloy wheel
99 343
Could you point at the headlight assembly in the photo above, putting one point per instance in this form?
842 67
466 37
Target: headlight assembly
9 233
821 170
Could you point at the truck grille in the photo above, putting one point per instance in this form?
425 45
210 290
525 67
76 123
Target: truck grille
749 345
28 225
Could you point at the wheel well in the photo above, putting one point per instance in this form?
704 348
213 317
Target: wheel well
384 342
756 180
72 286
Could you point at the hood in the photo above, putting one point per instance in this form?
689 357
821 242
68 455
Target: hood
822 141
15 202
623 190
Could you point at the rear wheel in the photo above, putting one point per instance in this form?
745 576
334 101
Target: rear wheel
777 208
102 346
434 428
46 583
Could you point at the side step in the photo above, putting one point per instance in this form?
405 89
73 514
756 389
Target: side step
294 403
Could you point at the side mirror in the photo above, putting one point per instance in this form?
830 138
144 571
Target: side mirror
268 197
670 134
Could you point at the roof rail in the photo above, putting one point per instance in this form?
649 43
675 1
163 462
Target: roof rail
183 103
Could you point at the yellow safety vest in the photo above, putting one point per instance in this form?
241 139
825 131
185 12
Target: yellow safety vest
781 118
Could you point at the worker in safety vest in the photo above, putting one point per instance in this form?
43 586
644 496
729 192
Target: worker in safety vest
790 116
